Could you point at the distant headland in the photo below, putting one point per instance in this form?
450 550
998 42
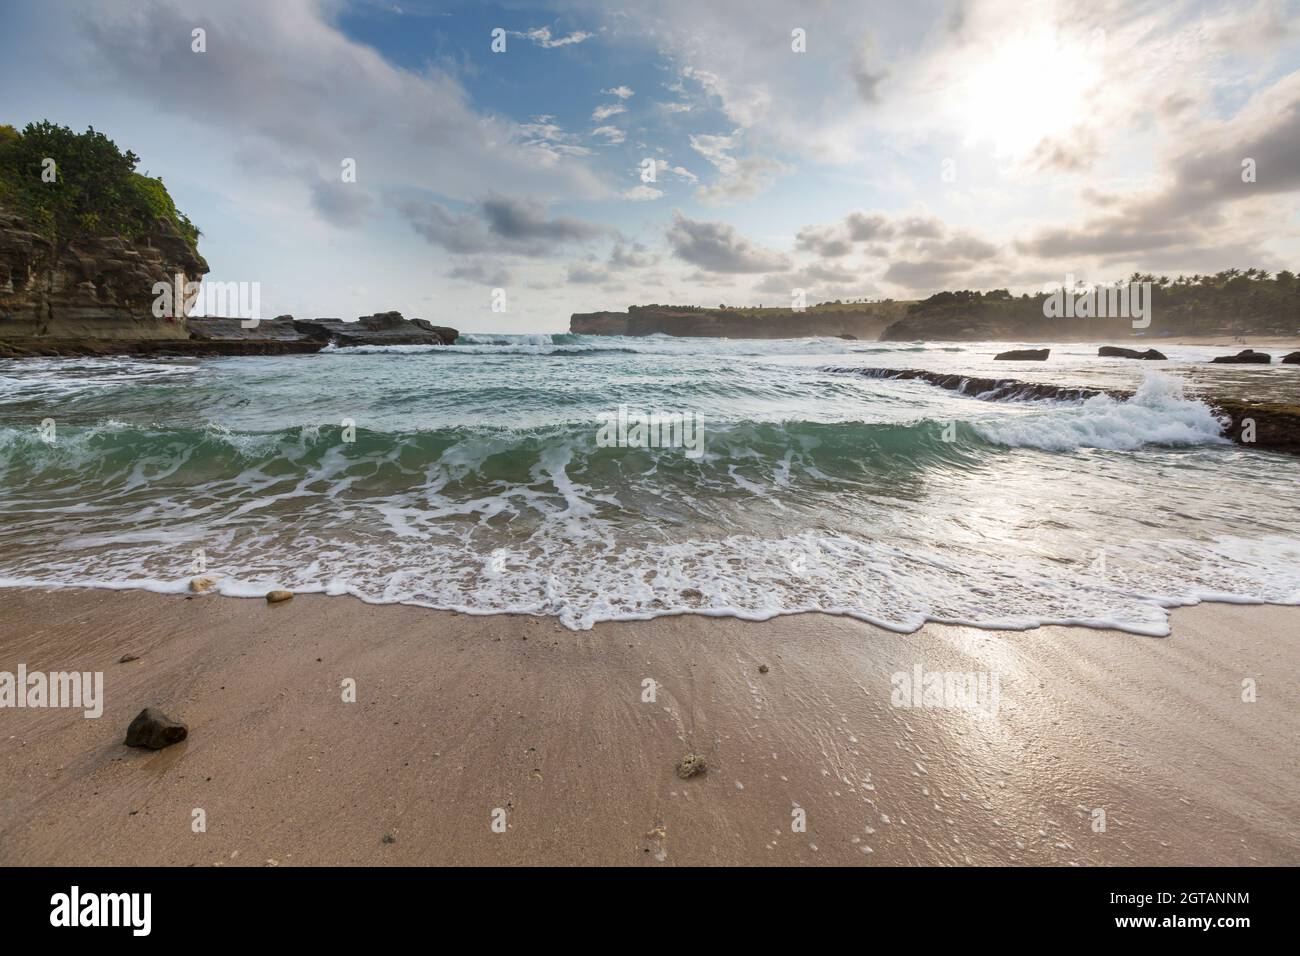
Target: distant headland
846 320
1228 303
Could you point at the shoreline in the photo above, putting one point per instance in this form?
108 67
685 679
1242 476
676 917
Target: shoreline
257 595
231 341
458 714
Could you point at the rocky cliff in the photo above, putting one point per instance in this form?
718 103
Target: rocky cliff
95 296
95 287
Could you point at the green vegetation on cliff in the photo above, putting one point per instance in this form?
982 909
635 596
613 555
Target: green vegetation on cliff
92 189
1231 300
1227 302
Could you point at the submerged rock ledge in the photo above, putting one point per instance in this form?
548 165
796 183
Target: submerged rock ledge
1274 426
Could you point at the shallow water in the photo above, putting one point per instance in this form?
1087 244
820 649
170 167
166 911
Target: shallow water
476 481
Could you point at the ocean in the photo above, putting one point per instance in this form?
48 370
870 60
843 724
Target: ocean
476 478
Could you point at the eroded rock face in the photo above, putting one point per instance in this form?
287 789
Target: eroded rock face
382 328
1023 355
598 323
94 288
1115 351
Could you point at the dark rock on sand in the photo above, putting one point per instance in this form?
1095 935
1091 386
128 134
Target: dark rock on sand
127 658
154 730
1292 358
690 765
763 668
1245 356
1115 351
278 595
1023 355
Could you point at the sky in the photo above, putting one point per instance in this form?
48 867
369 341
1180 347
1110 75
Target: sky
502 152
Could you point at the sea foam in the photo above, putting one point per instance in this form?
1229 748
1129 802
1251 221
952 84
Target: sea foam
1158 414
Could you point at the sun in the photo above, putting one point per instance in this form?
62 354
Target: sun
1032 87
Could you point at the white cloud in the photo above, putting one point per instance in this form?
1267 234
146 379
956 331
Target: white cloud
642 193
662 166
717 247
332 98
612 135
541 36
740 178
498 224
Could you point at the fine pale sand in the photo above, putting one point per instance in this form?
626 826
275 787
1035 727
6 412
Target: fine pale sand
457 716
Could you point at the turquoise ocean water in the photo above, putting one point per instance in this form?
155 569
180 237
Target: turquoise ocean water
473 478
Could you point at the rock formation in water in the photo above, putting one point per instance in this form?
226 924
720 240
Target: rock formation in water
1271 426
1244 357
382 328
1114 351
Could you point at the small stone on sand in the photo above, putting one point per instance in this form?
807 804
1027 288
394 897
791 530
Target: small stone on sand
690 765
154 730
278 595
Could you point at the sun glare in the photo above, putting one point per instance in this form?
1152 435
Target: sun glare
1029 89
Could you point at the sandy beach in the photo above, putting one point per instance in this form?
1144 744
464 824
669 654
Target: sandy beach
458 716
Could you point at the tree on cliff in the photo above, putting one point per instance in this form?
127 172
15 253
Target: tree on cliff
91 189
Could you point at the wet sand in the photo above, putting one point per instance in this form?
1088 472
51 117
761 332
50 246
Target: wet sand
457 716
